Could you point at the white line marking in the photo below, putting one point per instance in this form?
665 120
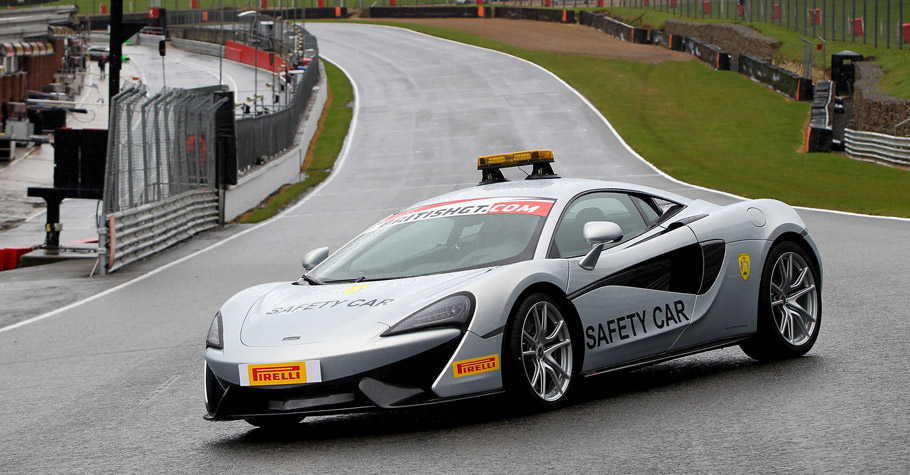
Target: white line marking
345 150
632 151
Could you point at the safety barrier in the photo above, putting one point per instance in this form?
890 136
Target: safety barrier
253 57
137 233
614 28
538 14
881 148
707 53
431 12
820 131
779 79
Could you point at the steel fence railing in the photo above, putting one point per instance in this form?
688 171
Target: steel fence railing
263 134
159 146
266 135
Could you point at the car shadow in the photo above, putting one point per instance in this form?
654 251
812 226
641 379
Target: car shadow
707 372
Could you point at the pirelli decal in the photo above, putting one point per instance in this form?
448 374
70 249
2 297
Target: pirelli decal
297 372
528 206
475 366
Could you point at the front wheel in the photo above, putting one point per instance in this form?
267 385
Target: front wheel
540 367
789 306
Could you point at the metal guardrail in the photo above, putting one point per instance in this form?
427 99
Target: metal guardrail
877 147
137 233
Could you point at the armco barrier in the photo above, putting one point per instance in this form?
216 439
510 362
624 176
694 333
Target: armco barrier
779 79
137 233
820 131
430 12
538 14
614 28
882 148
709 54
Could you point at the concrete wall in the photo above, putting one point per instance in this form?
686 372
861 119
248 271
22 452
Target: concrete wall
876 111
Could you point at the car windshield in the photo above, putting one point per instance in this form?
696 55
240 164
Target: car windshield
444 237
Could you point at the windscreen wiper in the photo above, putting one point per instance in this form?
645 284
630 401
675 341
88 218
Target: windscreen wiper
311 280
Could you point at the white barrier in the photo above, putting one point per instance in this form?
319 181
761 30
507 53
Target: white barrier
877 147
139 232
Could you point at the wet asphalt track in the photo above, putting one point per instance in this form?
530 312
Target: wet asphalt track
114 385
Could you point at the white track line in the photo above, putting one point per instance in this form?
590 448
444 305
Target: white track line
631 150
345 150
344 155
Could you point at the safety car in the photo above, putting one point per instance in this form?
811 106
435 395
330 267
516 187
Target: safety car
517 286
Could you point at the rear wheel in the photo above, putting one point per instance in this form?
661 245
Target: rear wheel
540 368
275 422
789 306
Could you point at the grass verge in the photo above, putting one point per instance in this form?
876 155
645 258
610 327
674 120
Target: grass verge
324 149
679 117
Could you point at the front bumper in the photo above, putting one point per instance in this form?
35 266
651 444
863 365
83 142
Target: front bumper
403 383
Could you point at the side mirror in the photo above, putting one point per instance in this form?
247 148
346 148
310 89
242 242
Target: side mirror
314 257
598 233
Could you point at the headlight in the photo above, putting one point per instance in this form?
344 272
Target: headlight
453 311
215 338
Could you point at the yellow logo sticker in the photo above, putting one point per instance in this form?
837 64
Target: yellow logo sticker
475 365
745 265
355 288
279 373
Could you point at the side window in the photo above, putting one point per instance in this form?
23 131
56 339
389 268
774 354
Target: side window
569 240
648 209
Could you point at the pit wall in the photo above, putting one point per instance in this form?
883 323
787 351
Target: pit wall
876 111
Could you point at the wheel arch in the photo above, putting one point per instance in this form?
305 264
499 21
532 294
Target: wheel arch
804 242
568 308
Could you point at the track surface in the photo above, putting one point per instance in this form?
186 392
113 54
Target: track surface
114 385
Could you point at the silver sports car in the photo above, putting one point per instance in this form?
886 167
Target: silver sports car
517 286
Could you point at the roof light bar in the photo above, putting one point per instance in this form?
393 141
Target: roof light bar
490 165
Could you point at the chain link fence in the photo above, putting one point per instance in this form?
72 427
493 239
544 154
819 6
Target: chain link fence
875 22
159 146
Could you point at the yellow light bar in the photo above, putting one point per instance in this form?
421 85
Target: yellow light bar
514 159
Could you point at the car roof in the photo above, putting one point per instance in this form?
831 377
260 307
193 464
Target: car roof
552 188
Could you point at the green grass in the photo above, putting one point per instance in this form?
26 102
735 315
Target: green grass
286 196
678 116
326 149
338 117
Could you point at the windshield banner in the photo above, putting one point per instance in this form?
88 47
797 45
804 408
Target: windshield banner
528 206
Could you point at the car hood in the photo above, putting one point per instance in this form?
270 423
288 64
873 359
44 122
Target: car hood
289 314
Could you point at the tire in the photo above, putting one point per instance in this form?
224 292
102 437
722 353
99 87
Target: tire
540 363
275 422
789 305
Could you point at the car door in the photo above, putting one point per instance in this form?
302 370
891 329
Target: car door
639 296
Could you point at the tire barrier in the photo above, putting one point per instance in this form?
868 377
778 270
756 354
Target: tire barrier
779 79
614 28
430 12
137 233
668 40
707 53
537 14
821 133
880 148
